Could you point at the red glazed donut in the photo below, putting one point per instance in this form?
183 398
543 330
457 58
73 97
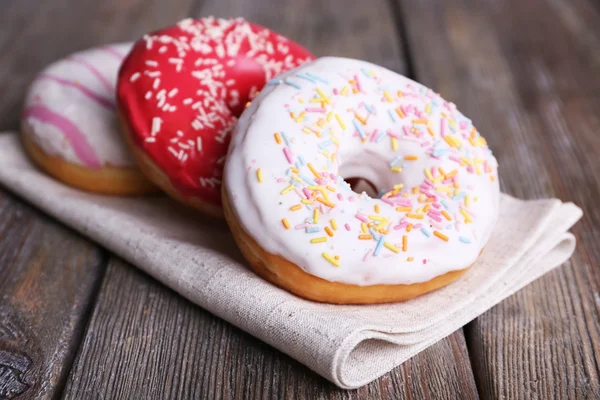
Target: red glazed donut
180 91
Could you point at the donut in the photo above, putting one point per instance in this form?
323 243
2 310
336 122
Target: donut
180 91
70 127
302 227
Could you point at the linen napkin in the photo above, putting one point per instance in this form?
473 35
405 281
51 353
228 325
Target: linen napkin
349 345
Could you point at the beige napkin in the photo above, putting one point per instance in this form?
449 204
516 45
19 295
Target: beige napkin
349 345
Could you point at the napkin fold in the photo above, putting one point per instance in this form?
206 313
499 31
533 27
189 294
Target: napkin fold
349 345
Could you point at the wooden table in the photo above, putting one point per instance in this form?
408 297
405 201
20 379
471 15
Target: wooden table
77 322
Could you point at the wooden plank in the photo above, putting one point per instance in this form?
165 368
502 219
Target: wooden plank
36 33
48 278
48 274
529 76
364 30
145 340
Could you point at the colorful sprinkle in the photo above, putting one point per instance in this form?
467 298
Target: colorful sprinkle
288 155
441 235
317 77
288 82
287 189
391 247
379 245
331 259
314 171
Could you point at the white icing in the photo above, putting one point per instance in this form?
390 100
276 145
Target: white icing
97 121
260 207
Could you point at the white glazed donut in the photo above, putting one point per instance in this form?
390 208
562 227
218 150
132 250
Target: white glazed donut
71 127
302 227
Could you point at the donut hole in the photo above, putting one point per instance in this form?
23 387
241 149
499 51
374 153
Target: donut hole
368 173
360 185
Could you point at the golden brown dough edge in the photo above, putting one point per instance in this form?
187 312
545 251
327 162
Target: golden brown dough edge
155 174
111 180
292 278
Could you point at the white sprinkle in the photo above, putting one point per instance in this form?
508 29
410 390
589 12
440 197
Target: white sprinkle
150 139
134 77
161 94
166 107
172 109
149 41
156 83
183 146
151 63
173 151
199 143
178 63
148 95
152 74
179 133
156 123
173 92
196 125
163 49
188 101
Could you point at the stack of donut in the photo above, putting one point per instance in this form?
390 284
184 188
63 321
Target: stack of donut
235 120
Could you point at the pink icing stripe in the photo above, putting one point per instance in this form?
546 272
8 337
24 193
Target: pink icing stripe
113 52
76 138
83 89
94 71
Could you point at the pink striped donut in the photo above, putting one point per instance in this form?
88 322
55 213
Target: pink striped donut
70 125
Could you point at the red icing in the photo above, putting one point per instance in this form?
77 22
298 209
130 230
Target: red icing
187 84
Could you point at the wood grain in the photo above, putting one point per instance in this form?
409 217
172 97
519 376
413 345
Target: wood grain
33 34
48 274
366 30
529 76
527 72
48 279
174 349
145 341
